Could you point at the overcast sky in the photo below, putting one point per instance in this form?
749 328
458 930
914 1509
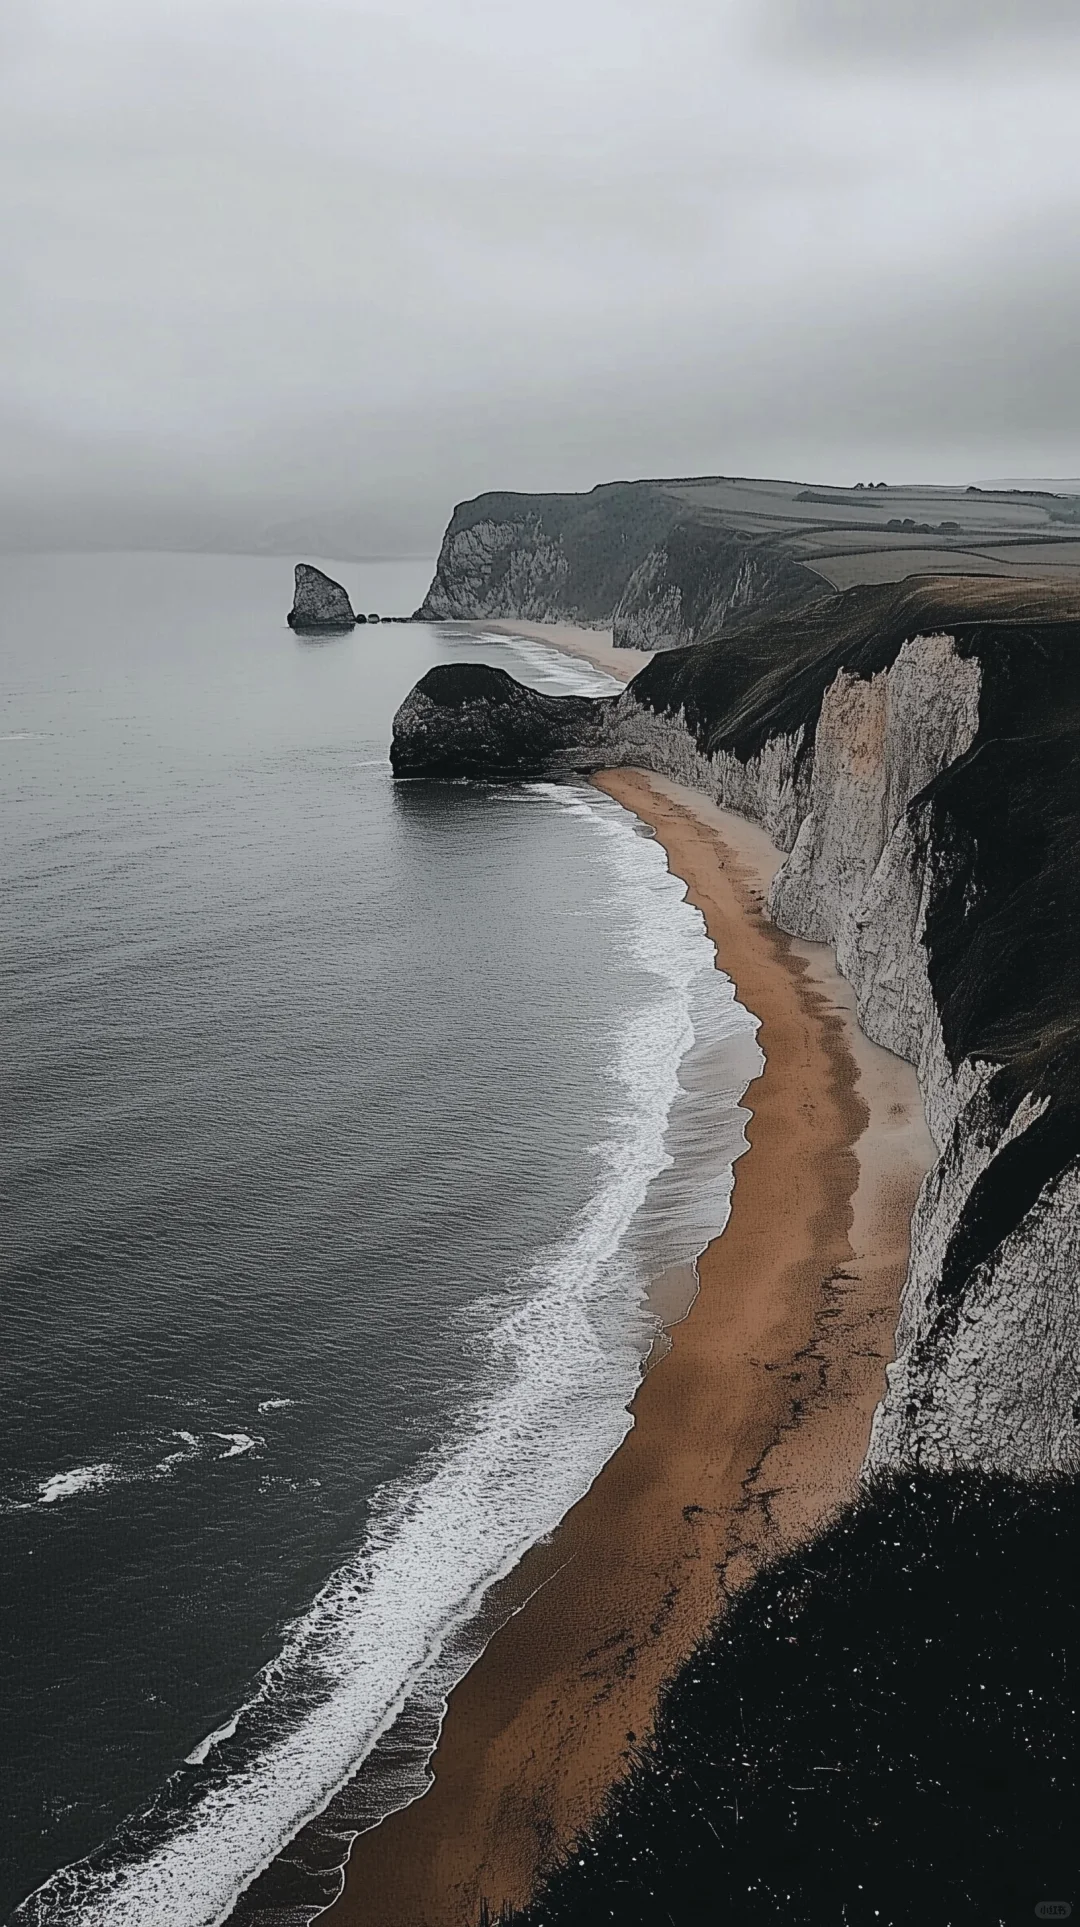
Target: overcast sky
269 258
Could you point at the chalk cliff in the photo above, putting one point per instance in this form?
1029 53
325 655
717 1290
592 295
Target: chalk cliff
703 578
667 563
915 750
626 554
546 557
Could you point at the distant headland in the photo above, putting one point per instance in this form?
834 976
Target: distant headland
666 563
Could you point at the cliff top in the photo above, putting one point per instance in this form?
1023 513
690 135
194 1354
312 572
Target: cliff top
674 560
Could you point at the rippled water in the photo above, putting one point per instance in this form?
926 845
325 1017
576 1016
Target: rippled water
346 1123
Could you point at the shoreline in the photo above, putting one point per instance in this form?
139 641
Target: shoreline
594 645
747 1434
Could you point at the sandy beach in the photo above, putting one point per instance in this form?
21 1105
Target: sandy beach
594 644
746 1435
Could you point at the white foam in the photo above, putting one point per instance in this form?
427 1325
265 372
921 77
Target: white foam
133 1466
564 1361
81 1478
199 1753
276 1404
556 669
189 1447
238 1442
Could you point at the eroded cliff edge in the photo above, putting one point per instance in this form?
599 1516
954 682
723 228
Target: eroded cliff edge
915 750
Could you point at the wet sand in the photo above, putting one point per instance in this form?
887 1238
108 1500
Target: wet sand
594 644
746 1436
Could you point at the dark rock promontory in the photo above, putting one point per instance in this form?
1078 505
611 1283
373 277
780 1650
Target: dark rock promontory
320 605
466 719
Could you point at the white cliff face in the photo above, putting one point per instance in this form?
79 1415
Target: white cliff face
771 788
990 1380
649 616
500 569
672 599
878 743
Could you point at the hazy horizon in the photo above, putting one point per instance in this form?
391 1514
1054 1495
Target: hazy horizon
341 266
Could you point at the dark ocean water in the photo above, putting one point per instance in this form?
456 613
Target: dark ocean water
344 1129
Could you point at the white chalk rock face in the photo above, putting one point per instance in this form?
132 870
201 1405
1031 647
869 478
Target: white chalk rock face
878 743
771 788
990 1377
988 1381
498 569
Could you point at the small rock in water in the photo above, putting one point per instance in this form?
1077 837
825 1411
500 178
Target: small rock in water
319 603
374 618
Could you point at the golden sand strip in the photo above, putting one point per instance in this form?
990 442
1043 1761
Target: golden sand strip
746 1436
594 644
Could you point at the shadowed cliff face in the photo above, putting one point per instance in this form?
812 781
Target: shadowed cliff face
465 719
700 580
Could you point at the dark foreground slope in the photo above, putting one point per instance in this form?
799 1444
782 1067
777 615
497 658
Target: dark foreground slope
880 1730
671 562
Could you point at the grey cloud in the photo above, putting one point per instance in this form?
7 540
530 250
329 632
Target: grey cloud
913 30
263 262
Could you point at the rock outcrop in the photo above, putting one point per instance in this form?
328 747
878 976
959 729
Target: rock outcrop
466 719
320 604
916 752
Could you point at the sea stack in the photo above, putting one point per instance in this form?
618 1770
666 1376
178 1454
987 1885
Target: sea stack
320 605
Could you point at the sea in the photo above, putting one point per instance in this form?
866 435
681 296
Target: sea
352 1128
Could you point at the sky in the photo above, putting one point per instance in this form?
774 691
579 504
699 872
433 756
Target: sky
271 263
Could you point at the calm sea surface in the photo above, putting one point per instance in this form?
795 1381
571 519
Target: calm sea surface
345 1125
